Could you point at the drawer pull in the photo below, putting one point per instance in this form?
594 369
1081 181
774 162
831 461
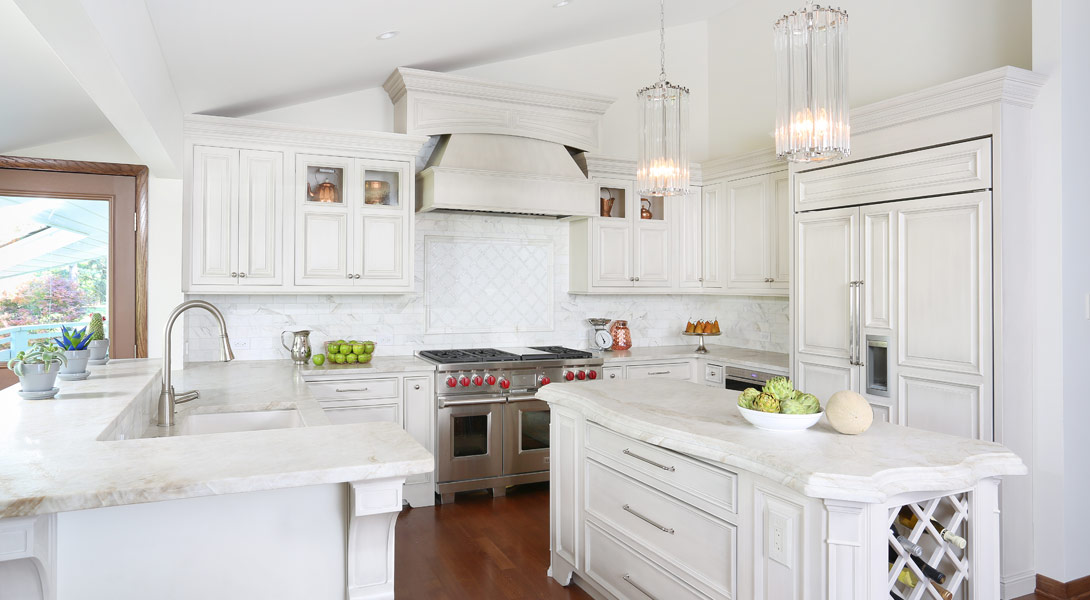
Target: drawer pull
669 530
612 375
341 391
639 589
658 372
647 460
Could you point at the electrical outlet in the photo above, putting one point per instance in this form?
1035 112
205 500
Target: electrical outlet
778 544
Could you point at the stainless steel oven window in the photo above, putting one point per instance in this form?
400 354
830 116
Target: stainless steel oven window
470 436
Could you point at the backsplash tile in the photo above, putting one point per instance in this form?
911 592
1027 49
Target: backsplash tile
430 317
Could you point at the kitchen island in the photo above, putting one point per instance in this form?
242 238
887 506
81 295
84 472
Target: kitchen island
661 489
97 502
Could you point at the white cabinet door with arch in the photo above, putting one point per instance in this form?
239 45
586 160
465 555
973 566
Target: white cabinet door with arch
261 218
747 204
612 240
214 218
652 254
381 250
322 248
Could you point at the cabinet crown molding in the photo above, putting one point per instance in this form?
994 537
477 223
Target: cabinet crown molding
430 103
759 162
234 131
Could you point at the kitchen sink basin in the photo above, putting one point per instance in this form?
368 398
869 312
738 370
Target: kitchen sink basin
250 420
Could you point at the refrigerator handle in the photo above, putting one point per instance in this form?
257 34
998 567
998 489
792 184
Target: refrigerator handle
858 360
851 323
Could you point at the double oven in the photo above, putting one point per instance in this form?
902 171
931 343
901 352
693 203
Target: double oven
491 431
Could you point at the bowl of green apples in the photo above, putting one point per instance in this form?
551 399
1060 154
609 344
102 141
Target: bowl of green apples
350 352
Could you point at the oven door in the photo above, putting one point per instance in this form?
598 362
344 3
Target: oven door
470 438
526 435
740 379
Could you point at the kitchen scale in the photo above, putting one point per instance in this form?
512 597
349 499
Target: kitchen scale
601 339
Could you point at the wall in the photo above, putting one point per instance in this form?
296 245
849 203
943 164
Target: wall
616 67
399 323
894 48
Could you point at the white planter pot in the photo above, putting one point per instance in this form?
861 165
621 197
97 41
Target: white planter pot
36 379
98 349
77 361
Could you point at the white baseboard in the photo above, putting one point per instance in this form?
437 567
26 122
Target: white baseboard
1016 586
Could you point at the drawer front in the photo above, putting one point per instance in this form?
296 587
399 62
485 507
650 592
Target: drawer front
678 370
625 574
695 542
689 479
613 373
364 414
713 375
356 389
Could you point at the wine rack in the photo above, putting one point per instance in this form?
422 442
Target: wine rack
953 512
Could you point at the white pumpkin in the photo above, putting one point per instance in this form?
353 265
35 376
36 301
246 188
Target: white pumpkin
849 413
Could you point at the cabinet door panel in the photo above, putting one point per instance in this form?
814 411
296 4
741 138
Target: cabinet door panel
826 249
612 240
780 232
714 212
381 255
747 237
652 255
824 377
215 214
261 218
364 414
419 417
944 406
323 249
691 241
878 256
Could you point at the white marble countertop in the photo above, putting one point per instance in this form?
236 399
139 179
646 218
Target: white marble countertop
740 357
69 453
379 364
819 462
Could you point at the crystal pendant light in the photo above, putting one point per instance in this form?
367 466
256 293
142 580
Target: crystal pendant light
663 167
812 84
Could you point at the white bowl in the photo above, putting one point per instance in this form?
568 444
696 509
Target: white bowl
779 421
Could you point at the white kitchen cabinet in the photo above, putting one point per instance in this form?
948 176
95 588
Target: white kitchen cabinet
702 218
238 218
757 234
683 369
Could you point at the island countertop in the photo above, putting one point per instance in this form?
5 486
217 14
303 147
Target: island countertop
77 450
819 462
764 360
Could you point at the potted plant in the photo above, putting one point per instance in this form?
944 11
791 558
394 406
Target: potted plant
100 344
35 366
74 344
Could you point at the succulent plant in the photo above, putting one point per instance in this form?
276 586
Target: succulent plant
800 404
780 387
766 402
97 331
746 398
73 339
40 353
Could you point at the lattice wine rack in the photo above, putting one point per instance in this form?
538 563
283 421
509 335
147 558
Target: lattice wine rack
951 512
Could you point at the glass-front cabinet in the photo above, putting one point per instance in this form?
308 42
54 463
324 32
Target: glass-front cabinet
630 240
353 218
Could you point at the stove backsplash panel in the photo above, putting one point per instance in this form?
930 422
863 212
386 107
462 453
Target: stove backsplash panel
497 281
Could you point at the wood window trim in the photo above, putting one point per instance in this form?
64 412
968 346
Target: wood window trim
140 174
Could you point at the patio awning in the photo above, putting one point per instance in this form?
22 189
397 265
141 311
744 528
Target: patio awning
68 231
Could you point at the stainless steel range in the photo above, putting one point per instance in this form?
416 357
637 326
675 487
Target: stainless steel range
491 431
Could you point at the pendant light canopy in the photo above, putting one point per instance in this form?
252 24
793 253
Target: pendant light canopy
663 167
812 84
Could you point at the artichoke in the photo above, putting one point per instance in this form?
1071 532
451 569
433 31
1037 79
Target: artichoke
780 387
801 404
766 403
746 398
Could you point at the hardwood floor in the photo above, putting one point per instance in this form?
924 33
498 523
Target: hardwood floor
479 548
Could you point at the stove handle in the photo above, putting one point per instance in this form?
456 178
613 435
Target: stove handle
521 398
471 402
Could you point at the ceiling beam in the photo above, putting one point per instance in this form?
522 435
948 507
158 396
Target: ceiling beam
111 48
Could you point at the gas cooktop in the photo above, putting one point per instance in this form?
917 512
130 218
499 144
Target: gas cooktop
483 355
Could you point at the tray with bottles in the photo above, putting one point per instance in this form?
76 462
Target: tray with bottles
927 549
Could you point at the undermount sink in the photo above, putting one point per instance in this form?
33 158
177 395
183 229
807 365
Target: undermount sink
249 420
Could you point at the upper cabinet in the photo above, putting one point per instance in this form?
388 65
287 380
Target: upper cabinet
344 205
757 234
702 216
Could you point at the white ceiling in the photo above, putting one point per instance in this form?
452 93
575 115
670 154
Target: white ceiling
237 57
41 101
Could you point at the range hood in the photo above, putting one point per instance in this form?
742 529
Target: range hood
500 148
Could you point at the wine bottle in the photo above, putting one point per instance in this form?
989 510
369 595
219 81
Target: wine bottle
932 573
906 543
909 519
907 577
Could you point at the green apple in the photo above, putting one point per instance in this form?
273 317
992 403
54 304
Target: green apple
369 347
357 348
351 359
365 358
339 358
319 360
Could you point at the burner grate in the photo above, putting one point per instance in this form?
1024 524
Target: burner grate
562 352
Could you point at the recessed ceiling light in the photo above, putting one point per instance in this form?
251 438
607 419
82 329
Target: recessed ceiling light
562 3
387 35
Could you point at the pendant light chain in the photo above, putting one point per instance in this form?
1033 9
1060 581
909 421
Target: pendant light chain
662 40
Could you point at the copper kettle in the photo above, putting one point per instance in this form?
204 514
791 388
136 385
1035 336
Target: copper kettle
327 192
645 211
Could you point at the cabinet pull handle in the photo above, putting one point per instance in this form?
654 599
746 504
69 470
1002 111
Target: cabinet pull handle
639 589
357 275
233 274
772 280
628 509
658 372
637 279
341 391
612 375
647 460
416 387
241 274
350 276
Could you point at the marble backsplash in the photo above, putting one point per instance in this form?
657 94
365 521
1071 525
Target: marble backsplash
403 324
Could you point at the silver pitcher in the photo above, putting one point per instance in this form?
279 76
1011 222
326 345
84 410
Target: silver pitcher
300 346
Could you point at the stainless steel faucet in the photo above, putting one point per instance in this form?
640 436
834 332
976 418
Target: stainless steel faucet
167 397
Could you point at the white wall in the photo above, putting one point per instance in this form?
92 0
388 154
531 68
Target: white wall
616 67
894 48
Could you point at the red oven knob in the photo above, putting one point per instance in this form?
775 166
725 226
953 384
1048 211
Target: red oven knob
569 375
581 375
451 381
464 381
544 380
592 374
504 383
490 380
478 380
